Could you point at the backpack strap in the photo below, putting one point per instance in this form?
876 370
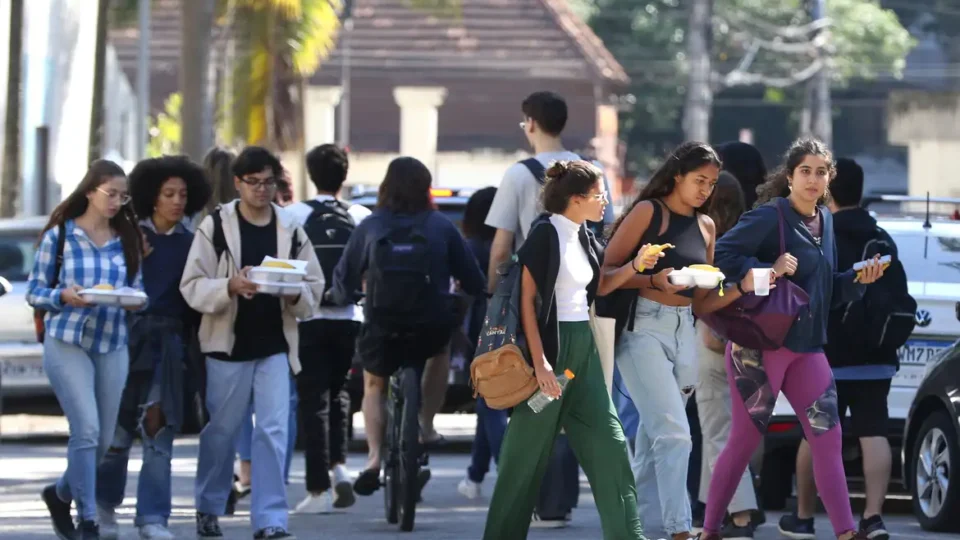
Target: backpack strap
219 240
536 168
58 260
295 245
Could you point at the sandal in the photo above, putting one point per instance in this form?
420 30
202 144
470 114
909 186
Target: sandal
367 482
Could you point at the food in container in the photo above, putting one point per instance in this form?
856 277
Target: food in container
279 271
703 276
277 288
107 295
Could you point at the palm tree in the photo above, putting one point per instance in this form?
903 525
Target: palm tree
10 183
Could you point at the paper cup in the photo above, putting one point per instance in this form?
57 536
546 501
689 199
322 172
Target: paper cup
761 281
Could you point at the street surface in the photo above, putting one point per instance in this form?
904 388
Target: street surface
27 465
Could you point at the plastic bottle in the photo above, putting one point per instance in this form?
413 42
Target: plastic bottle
540 400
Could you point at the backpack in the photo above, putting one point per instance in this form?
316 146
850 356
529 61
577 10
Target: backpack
400 296
329 227
539 173
38 314
500 372
220 241
885 317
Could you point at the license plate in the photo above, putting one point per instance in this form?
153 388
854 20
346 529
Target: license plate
913 360
22 373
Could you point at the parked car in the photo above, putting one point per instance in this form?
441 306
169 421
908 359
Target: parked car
930 252
459 394
931 444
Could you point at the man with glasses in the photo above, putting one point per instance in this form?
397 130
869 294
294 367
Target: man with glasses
250 341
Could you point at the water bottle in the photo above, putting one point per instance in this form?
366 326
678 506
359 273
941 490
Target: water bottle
540 400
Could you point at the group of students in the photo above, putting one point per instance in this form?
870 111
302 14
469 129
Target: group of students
665 352
188 236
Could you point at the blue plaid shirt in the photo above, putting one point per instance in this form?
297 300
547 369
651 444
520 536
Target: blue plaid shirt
99 329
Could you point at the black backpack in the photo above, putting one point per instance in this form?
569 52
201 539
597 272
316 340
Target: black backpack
400 295
887 314
329 228
539 172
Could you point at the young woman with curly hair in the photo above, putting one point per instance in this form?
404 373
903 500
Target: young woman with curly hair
164 191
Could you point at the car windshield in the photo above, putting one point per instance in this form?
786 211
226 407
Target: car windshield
929 258
17 251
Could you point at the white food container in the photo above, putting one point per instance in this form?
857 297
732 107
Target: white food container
681 278
125 297
689 277
274 288
267 274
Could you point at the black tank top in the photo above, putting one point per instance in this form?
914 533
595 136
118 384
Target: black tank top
684 233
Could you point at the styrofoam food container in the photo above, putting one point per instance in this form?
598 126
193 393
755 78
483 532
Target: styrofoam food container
126 297
274 288
680 277
689 277
279 275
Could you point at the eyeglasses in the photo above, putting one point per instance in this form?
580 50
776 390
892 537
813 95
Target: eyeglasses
602 196
523 126
112 195
266 183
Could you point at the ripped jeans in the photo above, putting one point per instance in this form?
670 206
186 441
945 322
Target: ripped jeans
154 492
658 365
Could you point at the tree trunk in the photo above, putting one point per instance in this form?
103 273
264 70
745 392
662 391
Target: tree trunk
95 149
823 111
806 110
10 184
699 102
197 24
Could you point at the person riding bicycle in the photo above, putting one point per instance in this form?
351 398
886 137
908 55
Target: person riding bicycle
408 310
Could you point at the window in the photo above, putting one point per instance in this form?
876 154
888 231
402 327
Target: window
17 252
929 258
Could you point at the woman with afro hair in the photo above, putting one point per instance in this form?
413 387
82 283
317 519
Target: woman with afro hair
165 192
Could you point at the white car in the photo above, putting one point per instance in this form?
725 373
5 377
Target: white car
931 257
21 357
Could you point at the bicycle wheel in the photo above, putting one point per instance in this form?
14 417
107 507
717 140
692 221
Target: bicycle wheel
409 447
390 455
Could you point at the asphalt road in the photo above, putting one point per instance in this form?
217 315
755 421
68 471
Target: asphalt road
26 466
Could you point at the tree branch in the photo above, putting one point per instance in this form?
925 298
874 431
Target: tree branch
786 32
738 77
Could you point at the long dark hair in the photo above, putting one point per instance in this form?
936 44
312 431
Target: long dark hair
475 215
125 222
216 165
778 185
406 187
686 158
728 203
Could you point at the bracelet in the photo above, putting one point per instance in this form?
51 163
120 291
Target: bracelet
740 288
633 264
653 286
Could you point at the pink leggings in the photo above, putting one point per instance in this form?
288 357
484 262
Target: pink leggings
756 380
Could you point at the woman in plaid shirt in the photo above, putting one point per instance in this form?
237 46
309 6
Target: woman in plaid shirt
85 347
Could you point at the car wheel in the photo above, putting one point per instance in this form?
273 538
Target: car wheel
776 480
935 487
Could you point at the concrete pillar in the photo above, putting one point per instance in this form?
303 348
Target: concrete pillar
928 124
419 120
319 127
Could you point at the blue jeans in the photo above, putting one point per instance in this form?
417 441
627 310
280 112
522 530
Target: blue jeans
491 425
245 437
230 387
88 386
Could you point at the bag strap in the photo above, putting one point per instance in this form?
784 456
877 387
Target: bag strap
536 168
781 226
219 240
58 259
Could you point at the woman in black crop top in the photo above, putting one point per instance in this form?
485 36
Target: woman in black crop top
656 354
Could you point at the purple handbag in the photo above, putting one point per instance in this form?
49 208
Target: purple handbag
762 322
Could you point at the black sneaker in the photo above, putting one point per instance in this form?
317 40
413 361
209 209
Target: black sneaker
736 532
874 529
799 529
698 511
88 530
208 526
59 513
273 533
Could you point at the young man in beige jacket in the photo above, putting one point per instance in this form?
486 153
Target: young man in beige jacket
250 341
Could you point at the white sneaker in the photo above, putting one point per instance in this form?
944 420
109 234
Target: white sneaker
109 529
537 523
343 496
155 531
469 489
316 504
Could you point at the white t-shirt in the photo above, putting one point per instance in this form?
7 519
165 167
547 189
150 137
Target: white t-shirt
300 212
574 275
517 202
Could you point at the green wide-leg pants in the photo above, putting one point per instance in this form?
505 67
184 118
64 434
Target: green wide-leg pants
587 415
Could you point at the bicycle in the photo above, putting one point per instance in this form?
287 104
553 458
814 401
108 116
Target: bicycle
402 455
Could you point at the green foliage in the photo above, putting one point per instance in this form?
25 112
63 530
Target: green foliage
165 131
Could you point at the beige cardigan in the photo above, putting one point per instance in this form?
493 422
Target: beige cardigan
204 282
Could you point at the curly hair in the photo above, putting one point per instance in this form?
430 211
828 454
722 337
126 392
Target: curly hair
686 158
566 179
148 177
778 183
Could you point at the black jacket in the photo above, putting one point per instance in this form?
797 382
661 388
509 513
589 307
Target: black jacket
540 253
853 229
754 242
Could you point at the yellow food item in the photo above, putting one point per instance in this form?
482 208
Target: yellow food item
656 249
104 287
860 273
704 267
278 264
